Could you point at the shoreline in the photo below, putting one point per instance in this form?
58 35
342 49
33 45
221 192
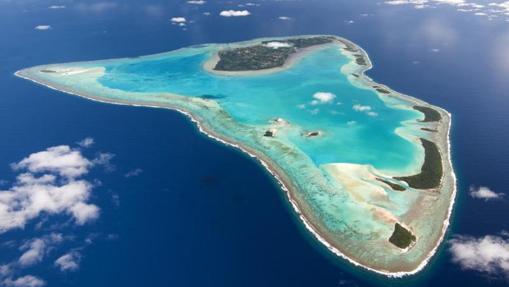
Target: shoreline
210 64
280 175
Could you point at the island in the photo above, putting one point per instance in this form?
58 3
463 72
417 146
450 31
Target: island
366 169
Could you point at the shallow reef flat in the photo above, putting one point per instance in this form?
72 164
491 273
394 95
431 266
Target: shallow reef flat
365 168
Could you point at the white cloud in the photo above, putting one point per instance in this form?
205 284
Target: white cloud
405 2
177 20
84 212
450 2
485 193
196 2
461 5
361 108
234 13
49 183
488 254
284 18
323 97
34 254
277 45
503 5
42 27
423 2
69 261
25 281
35 249
57 7
180 21
58 190
206 13
59 159
86 142
368 110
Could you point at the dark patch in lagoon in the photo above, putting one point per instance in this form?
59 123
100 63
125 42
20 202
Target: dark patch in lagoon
212 97
430 115
431 170
383 91
312 134
429 130
394 186
401 237
269 134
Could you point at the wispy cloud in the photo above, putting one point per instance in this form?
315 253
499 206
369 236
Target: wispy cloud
104 159
69 261
42 27
24 281
485 193
86 142
134 172
196 2
35 249
368 110
34 254
490 10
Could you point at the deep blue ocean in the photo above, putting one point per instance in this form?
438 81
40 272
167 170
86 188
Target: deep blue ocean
204 214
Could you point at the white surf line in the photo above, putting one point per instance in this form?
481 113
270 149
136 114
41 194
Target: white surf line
275 174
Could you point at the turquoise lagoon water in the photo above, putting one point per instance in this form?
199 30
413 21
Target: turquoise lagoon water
242 108
349 136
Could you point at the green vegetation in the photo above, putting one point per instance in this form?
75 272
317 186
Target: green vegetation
430 115
429 130
360 60
301 43
261 56
269 134
349 47
383 91
392 185
401 237
431 170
